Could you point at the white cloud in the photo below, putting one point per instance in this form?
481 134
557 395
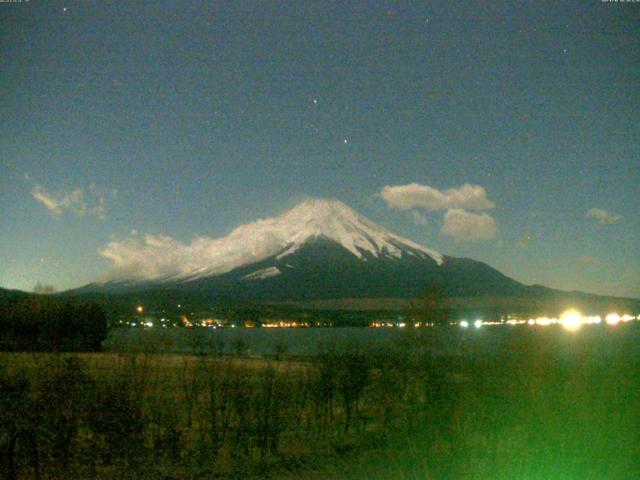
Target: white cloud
148 256
603 217
418 218
463 225
57 203
77 201
414 195
459 222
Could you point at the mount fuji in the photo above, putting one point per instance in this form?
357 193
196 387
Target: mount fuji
318 251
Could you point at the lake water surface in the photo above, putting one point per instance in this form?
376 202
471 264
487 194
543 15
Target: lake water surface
595 340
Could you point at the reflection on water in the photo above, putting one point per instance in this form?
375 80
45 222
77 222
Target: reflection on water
310 341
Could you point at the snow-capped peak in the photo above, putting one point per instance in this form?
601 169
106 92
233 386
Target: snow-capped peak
336 221
163 257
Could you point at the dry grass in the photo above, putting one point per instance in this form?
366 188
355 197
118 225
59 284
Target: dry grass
549 405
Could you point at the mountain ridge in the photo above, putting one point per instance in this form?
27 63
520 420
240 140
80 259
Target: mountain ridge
163 259
322 250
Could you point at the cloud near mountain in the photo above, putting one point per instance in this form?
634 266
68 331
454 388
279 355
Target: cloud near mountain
467 226
151 256
414 195
459 221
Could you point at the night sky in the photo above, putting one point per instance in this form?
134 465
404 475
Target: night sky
121 119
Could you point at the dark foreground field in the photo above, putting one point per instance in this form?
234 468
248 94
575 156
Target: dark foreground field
518 404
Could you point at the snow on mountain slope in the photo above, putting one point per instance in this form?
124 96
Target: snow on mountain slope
262 274
340 223
160 257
